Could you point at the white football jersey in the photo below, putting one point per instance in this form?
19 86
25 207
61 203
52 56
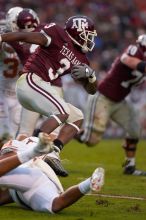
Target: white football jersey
9 106
9 69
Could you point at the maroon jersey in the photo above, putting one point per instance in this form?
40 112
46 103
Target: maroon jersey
57 59
24 50
120 78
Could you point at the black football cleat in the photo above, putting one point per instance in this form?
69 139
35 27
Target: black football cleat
56 165
131 170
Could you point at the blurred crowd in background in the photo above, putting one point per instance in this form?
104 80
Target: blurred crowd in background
118 23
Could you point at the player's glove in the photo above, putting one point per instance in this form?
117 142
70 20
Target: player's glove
82 71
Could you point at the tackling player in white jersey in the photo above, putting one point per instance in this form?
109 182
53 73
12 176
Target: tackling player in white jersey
34 185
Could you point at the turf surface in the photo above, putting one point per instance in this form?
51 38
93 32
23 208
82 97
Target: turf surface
80 161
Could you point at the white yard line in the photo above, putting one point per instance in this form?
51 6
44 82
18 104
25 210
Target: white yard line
117 196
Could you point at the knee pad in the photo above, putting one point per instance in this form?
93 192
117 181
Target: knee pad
57 119
75 126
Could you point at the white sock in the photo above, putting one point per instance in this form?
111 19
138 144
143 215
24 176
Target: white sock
84 186
131 161
26 155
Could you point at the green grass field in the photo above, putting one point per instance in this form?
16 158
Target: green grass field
80 161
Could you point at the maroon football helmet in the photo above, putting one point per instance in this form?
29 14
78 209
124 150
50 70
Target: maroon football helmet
27 20
82 32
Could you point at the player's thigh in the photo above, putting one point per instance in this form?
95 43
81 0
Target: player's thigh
21 178
37 191
75 114
97 113
14 114
127 117
42 197
59 90
40 96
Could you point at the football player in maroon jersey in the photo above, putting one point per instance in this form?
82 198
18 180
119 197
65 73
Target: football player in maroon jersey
127 70
60 49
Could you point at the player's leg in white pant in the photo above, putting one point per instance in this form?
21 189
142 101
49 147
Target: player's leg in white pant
28 120
96 116
4 121
14 114
30 187
127 117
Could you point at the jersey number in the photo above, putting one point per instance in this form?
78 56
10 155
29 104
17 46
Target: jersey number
65 63
133 82
12 67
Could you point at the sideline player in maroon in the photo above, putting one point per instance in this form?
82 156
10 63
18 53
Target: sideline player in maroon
60 49
27 20
128 70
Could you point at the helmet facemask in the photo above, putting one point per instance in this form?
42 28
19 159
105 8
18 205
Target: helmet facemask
29 27
88 38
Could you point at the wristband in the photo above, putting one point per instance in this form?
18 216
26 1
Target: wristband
141 66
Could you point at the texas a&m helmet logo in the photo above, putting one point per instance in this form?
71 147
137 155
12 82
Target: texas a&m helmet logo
80 24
